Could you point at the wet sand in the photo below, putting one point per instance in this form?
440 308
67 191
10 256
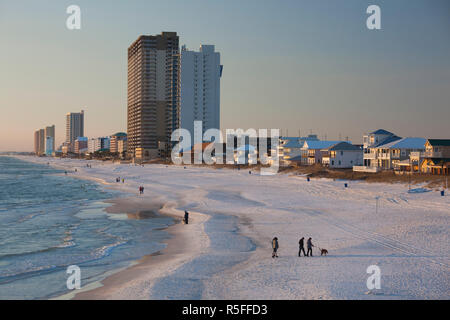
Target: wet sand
186 243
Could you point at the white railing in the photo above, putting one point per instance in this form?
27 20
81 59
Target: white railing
366 169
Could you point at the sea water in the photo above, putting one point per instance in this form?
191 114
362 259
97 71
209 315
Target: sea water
49 221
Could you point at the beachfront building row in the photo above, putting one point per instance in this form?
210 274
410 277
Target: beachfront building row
44 141
383 150
98 144
168 90
310 150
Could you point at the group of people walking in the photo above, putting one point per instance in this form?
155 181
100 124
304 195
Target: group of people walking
141 189
118 180
301 244
301 247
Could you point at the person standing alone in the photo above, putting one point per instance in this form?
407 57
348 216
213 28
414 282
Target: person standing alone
275 247
186 217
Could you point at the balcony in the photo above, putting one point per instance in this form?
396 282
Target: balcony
431 154
370 155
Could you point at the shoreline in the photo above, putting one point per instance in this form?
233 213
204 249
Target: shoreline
141 274
135 282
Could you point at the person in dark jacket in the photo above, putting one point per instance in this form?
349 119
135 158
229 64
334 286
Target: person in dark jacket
186 217
301 245
275 247
309 245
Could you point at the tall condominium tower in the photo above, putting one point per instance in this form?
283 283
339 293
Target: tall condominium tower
41 141
74 126
200 88
36 142
152 93
49 132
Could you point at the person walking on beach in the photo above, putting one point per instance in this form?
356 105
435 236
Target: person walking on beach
123 180
186 217
301 245
142 189
275 247
309 245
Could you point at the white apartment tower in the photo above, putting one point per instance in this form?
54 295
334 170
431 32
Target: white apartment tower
199 95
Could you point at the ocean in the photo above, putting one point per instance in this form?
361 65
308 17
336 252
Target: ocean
49 221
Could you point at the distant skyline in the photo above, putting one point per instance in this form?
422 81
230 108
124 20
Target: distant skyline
289 64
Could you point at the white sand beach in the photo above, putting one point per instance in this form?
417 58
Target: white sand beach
225 250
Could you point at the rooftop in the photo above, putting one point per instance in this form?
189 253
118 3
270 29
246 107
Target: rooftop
439 142
324 144
382 131
344 146
405 143
119 134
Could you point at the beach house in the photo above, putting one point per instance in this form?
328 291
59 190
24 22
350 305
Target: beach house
436 157
342 155
373 157
290 148
313 151
392 153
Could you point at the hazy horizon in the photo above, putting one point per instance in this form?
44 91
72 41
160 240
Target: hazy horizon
292 65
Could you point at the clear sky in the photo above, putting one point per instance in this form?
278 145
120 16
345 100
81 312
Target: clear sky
294 65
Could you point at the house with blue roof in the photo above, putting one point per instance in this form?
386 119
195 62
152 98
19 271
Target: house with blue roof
384 150
312 151
371 142
290 147
342 155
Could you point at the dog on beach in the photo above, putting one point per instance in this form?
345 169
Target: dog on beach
323 251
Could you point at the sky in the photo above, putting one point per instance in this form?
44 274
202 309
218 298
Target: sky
300 66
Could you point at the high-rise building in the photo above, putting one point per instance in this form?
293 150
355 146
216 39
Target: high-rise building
49 132
152 92
122 146
41 141
36 142
199 95
49 145
74 126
